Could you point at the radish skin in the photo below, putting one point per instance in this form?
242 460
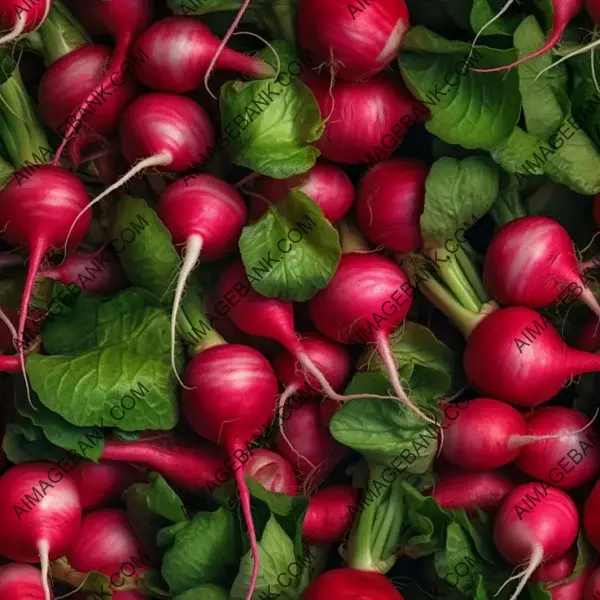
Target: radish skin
592 588
351 584
591 517
21 582
272 471
558 569
22 18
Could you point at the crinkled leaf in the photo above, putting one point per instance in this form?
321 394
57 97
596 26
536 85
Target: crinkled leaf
24 442
586 108
162 500
480 109
204 592
296 271
483 12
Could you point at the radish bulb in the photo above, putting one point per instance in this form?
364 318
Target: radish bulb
21 582
22 18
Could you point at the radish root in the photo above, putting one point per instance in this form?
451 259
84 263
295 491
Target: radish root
490 22
44 549
15 32
590 47
535 560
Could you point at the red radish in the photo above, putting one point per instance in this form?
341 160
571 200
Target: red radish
205 215
589 338
22 18
483 489
569 461
592 588
105 538
181 50
558 569
365 287
231 392
100 484
66 85
591 517
29 216
597 197
534 522
80 268
327 409
361 117
563 11
326 184
356 42
329 514
272 471
351 584
167 131
307 445
393 224
531 262
9 364
515 355
184 463
21 582
593 9
38 533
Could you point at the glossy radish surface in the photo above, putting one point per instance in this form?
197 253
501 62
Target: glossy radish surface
19 19
272 471
351 584
21 582
329 514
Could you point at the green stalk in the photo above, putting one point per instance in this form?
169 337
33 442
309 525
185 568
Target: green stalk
6 172
194 326
471 272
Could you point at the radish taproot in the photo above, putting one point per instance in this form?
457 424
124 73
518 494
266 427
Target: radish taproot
351 584
21 582
329 514
22 18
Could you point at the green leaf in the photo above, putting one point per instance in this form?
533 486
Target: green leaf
474 110
428 366
124 369
281 124
24 442
482 13
296 270
203 550
457 194
586 108
204 592
163 501
150 260
381 429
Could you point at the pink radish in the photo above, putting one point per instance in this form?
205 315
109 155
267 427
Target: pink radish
9 364
531 262
515 355
326 184
589 338
368 297
363 117
100 484
166 131
591 517
569 461
351 584
80 268
21 582
106 537
22 18
231 392
186 464
38 533
327 409
181 50
394 225
558 569
563 11
272 471
356 42
592 588
534 522
329 514
29 216
205 215
459 489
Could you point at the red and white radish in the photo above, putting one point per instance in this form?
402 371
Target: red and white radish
356 42
272 471
181 50
534 522
391 199
205 215
22 18
21 582
39 532
351 584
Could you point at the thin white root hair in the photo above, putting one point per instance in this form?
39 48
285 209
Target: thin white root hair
490 22
15 32
535 560
289 391
43 550
582 50
78 587
192 254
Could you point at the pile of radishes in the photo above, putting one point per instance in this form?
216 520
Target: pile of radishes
280 313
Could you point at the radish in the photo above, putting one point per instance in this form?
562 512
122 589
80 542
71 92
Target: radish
22 18
355 42
329 514
21 582
38 533
308 446
482 489
65 86
205 215
534 522
106 537
591 517
351 584
272 471
569 461
81 268
515 355
100 484
28 217
531 262
365 287
394 225
558 569
326 184
186 464
169 132
589 337
563 11
231 393
181 50
9 364
363 117
592 588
